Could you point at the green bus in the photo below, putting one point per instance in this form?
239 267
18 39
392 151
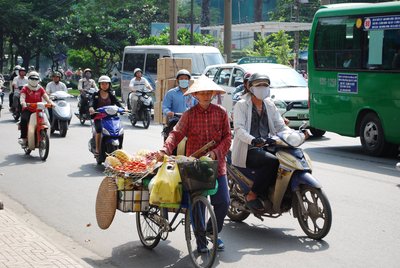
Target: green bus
354 73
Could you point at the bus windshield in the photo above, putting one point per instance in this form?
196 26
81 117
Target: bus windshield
201 60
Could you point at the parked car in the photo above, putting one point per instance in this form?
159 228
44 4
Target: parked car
287 85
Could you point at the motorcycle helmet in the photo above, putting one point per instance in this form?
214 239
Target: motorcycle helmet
17 67
33 80
22 69
57 74
137 70
246 76
87 70
104 78
258 78
183 72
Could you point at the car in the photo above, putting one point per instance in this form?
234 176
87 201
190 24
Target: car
287 86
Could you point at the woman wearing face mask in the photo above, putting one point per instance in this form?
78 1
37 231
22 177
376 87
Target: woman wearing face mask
255 119
30 93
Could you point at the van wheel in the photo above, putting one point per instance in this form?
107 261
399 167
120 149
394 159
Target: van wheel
317 132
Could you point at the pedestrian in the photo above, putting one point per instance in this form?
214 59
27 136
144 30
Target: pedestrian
201 124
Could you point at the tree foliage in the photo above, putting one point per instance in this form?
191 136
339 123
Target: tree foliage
276 45
183 38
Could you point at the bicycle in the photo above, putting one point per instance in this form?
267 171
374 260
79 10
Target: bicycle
199 222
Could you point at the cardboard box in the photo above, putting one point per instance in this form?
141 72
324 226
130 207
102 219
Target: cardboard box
168 67
158 117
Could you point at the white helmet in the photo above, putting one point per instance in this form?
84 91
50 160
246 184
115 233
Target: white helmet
104 78
33 80
183 72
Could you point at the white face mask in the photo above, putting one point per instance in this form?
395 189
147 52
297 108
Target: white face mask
260 92
183 83
33 83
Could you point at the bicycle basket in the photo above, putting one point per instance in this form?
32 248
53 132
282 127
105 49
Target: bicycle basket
198 175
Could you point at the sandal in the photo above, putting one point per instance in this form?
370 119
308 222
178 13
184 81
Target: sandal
255 205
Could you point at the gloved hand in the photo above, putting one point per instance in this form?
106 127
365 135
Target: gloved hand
258 142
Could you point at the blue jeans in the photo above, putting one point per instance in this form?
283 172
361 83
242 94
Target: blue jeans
220 201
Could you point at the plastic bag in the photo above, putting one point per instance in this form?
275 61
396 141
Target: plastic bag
166 190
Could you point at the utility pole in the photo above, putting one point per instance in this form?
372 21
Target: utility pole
228 30
296 36
191 22
173 22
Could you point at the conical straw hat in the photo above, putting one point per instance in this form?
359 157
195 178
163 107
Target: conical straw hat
203 83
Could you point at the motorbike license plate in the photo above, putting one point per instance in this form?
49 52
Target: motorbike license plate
302 116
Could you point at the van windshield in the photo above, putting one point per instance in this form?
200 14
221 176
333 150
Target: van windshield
201 60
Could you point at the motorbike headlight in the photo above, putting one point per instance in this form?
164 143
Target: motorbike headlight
112 110
105 132
293 138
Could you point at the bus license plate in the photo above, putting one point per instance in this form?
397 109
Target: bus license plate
302 116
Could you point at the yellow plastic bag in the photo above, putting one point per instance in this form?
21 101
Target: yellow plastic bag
166 190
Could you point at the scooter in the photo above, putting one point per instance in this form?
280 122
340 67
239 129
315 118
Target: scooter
61 113
1 92
38 126
83 106
16 105
112 134
143 108
295 188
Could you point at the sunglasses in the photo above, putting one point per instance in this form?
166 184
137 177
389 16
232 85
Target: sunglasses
36 79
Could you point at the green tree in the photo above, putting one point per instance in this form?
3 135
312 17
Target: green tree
183 38
276 45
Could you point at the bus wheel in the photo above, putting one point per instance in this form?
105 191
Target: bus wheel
372 137
317 132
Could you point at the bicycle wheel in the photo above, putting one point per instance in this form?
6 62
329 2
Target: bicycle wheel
149 227
201 232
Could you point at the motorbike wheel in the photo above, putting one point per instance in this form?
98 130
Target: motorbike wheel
149 227
146 119
133 119
234 213
63 125
81 119
317 219
16 116
44 145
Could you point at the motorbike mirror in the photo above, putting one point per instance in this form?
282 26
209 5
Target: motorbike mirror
289 106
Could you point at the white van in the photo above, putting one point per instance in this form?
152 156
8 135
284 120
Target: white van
145 58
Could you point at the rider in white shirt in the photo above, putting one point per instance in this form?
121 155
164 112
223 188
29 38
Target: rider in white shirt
56 84
137 83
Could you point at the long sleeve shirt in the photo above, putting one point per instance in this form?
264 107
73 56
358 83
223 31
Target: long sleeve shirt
201 126
174 101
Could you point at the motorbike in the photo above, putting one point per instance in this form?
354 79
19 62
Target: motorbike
16 108
112 132
143 108
83 106
295 188
38 126
1 92
61 113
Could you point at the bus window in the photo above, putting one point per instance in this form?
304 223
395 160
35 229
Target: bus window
132 61
151 63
